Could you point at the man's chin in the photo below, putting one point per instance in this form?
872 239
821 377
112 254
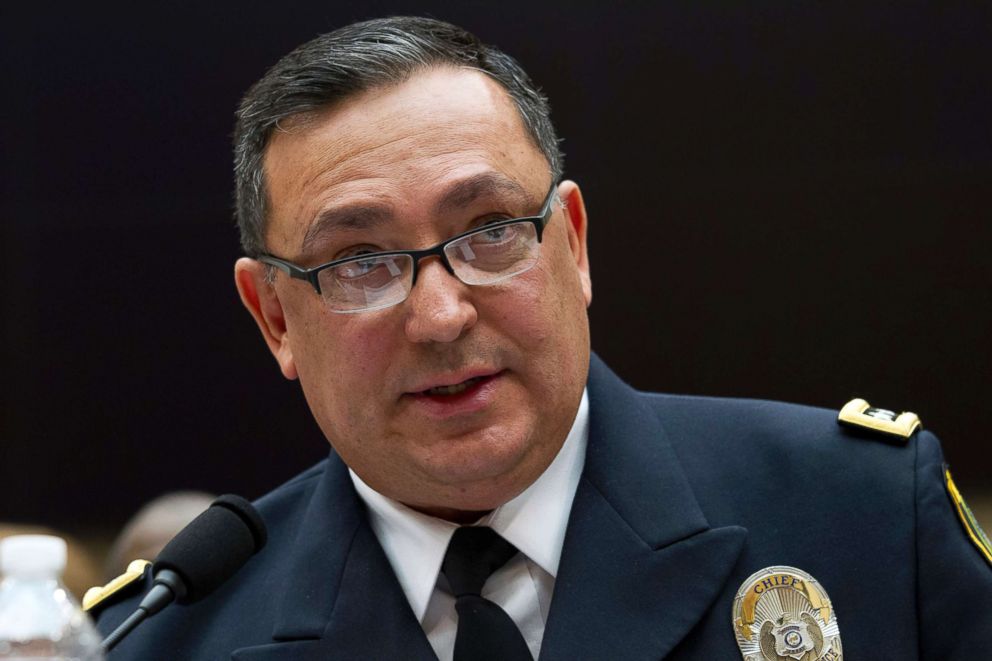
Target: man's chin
465 510
478 487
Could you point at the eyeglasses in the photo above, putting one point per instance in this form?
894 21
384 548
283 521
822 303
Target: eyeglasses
483 256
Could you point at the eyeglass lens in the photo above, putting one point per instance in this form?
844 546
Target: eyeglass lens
481 258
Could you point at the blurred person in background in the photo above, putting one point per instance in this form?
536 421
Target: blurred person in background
151 528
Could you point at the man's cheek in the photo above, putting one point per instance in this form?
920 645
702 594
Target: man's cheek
534 308
369 352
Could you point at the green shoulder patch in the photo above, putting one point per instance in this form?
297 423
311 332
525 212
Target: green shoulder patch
860 414
122 586
968 520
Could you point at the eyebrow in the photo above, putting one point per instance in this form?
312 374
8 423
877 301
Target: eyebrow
349 217
492 184
362 216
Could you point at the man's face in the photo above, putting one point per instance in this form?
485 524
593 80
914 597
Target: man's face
406 167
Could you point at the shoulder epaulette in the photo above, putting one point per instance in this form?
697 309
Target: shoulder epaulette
98 598
860 414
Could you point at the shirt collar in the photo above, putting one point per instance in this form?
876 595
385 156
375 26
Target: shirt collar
534 521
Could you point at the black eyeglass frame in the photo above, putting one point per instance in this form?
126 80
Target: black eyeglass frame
540 221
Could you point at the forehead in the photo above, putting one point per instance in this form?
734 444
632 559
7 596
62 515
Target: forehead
395 146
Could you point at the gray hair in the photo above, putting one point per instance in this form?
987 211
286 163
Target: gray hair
353 59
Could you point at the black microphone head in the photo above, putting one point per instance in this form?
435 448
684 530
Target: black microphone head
247 512
214 546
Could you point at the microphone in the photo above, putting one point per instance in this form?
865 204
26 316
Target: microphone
204 554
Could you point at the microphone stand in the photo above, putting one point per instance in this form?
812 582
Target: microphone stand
168 587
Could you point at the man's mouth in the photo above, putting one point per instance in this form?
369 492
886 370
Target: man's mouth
468 396
455 389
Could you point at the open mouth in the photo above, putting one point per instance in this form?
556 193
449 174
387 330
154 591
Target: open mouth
451 400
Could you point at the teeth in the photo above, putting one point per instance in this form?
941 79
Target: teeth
451 390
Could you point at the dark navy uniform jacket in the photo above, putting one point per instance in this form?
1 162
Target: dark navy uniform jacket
681 499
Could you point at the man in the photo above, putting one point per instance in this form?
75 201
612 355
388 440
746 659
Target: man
415 260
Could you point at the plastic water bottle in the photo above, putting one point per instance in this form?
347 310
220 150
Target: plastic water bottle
39 619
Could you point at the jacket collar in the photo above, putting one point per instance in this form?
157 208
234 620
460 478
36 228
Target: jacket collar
639 567
341 599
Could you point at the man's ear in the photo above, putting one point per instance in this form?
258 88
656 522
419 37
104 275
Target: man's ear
575 214
262 301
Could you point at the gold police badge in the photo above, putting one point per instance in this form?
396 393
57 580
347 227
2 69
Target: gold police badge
784 614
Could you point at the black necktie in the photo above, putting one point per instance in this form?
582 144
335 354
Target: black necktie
485 631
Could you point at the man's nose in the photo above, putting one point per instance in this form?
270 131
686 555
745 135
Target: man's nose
439 305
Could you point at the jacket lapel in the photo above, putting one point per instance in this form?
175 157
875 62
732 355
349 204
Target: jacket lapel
341 597
640 565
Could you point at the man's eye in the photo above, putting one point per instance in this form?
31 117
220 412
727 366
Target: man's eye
363 266
496 233
360 267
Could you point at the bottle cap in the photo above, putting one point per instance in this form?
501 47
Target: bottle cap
22 555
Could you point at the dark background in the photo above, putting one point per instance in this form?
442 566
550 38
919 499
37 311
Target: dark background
787 201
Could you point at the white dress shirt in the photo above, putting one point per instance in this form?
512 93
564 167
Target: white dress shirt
534 522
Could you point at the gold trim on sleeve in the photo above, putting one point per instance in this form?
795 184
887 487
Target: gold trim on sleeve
968 520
